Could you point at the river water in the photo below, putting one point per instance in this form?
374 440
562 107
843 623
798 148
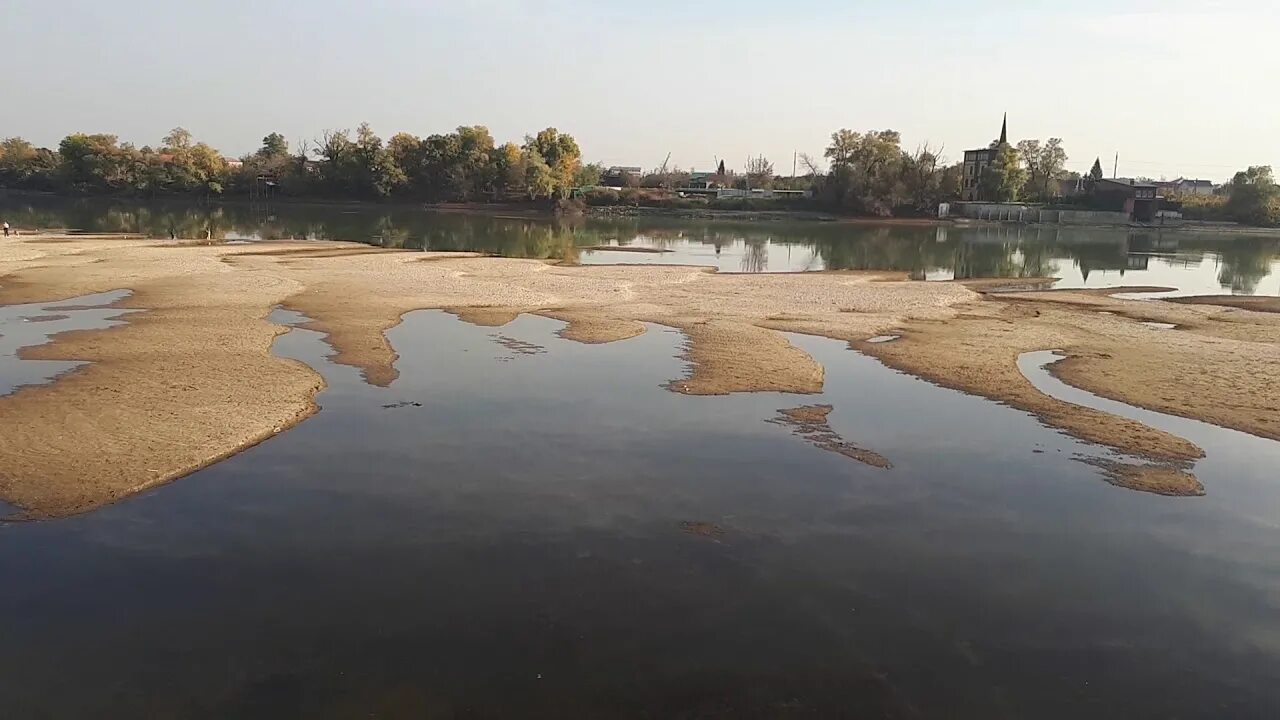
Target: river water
1081 257
523 526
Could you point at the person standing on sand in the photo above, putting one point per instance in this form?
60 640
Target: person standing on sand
6 228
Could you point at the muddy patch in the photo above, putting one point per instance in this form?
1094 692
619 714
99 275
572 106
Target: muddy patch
517 347
810 422
711 531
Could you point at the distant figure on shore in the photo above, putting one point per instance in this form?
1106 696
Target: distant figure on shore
6 228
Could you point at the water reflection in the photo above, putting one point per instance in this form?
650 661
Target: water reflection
1082 257
558 537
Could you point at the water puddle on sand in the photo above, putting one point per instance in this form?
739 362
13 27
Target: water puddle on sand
24 326
500 538
883 338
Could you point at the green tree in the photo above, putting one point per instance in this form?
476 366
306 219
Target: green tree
589 175
94 162
539 176
561 154
1004 178
375 173
759 172
1045 165
1254 197
844 144
23 165
178 138
866 171
335 152
273 146
509 164
185 166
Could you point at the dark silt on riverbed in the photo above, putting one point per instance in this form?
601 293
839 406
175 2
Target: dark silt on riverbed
522 526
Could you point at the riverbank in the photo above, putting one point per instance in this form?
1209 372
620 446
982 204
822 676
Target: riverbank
192 378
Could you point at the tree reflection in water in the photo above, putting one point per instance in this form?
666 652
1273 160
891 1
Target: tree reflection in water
1241 263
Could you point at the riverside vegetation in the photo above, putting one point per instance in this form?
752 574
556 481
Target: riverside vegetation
868 174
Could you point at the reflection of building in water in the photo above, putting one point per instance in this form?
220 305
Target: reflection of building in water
1153 243
1100 257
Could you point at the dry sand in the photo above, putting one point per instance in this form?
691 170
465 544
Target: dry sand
193 379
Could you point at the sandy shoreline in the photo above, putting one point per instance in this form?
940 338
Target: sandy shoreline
192 379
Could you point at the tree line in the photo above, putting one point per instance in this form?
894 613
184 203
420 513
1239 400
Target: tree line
464 165
866 173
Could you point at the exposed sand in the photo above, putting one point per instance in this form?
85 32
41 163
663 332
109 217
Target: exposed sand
810 423
1157 479
1244 302
193 379
627 248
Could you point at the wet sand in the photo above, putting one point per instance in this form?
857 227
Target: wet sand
192 379
1156 479
1244 302
810 422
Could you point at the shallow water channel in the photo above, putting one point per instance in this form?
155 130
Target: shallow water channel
523 526
24 326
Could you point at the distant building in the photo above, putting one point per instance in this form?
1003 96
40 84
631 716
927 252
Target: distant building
704 180
1183 186
233 163
1136 199
621 176
1072 186
977 161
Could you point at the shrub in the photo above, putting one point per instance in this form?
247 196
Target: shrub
631 196
601 197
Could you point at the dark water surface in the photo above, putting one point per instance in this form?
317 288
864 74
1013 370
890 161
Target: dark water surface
548 533
1082 257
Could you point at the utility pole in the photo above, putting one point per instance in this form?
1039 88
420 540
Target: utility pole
1115 169
794 155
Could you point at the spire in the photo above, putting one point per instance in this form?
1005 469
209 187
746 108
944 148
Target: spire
1004 130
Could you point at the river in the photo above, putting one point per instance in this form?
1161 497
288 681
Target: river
524 526
1196 264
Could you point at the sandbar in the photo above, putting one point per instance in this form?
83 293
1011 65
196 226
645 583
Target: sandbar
191 378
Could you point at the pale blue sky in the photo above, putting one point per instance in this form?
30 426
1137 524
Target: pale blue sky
1177 87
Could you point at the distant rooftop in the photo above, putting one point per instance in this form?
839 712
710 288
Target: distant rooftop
1130 182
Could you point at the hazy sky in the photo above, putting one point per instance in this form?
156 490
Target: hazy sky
1176 87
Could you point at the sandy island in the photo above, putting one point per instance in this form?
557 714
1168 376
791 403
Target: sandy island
192 379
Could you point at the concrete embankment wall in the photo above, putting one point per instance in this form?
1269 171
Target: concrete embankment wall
1010 212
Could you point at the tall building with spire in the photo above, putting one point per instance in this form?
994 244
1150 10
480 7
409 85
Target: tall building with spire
977 161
